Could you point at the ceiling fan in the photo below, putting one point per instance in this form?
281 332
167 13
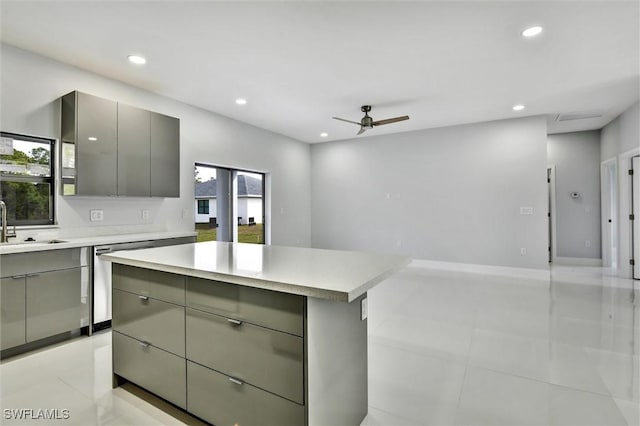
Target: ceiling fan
367 122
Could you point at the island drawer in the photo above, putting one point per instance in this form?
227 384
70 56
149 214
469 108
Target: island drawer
146 282
152 321
151 368
265 358
272 309
217 399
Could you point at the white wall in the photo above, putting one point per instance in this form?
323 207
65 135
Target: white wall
576 157
620 139
31 86
449 194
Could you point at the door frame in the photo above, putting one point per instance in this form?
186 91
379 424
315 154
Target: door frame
609 211
551 185
625 270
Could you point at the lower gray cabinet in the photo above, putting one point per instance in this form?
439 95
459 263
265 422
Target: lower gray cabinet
54 302
223 400
154 369
12 318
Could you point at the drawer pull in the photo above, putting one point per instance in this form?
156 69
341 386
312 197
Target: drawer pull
33 275
234 321
144 344
236 381
141 297
18 277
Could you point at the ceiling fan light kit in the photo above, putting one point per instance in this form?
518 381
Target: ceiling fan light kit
367 122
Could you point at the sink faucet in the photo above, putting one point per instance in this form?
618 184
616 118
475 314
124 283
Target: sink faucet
5 234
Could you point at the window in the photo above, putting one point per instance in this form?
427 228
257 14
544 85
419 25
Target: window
27 179
203 206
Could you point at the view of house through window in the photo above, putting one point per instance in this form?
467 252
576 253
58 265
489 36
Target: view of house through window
27 179
229 205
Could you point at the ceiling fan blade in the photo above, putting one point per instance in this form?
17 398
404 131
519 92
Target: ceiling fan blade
346 121
362 130
390 120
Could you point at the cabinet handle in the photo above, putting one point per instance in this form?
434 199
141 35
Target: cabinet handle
141 297
32 275
103 250
234 321
236 381
144 344
18 277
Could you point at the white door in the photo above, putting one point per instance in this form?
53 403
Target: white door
609 197
635 201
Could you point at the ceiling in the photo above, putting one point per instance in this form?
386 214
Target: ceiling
300 63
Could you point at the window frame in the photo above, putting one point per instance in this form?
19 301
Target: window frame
205 204
51 179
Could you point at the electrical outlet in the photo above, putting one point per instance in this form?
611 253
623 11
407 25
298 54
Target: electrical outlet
587 243
364 311
523 251
96 215
185 214
146 214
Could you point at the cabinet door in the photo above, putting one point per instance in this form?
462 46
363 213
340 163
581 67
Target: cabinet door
54 302
97 121
12 318
165 156
133 151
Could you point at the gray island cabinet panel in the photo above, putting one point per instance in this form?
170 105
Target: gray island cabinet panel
133 151
13 317
165 156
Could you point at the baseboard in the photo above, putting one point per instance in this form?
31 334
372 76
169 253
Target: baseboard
505 271
577 261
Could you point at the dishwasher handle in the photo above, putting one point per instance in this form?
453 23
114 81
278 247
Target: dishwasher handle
103 250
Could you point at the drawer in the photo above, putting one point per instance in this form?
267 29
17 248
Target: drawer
151 368
146 282
265 358
218 400
42 261
272 309
153 321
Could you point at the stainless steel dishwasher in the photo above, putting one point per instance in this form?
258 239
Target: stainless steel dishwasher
101 312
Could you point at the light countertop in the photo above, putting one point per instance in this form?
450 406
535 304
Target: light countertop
325 274
97 240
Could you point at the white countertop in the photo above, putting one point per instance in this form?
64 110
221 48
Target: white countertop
326 274
97 240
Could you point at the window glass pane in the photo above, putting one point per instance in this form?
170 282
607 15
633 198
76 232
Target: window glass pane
27 202
25 158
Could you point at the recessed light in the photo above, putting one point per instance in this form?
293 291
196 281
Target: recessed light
532 31
241 101
92 138
324 135
137 59
518 107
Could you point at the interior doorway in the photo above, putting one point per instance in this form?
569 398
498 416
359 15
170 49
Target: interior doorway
609 212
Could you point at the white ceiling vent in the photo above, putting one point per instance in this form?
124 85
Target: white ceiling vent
579 115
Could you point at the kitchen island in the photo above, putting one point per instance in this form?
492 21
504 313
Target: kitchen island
247 334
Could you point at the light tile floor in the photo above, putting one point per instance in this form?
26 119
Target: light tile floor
445 348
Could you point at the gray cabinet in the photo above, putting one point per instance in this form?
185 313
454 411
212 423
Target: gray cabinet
109 148
89 145
12 318
43 294
54 302
165 156
133 151
223 400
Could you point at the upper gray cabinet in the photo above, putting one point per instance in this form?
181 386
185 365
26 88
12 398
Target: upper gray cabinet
134 145
165 156
89 145
109 148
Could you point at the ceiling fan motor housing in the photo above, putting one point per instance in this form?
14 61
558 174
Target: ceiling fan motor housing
366 121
